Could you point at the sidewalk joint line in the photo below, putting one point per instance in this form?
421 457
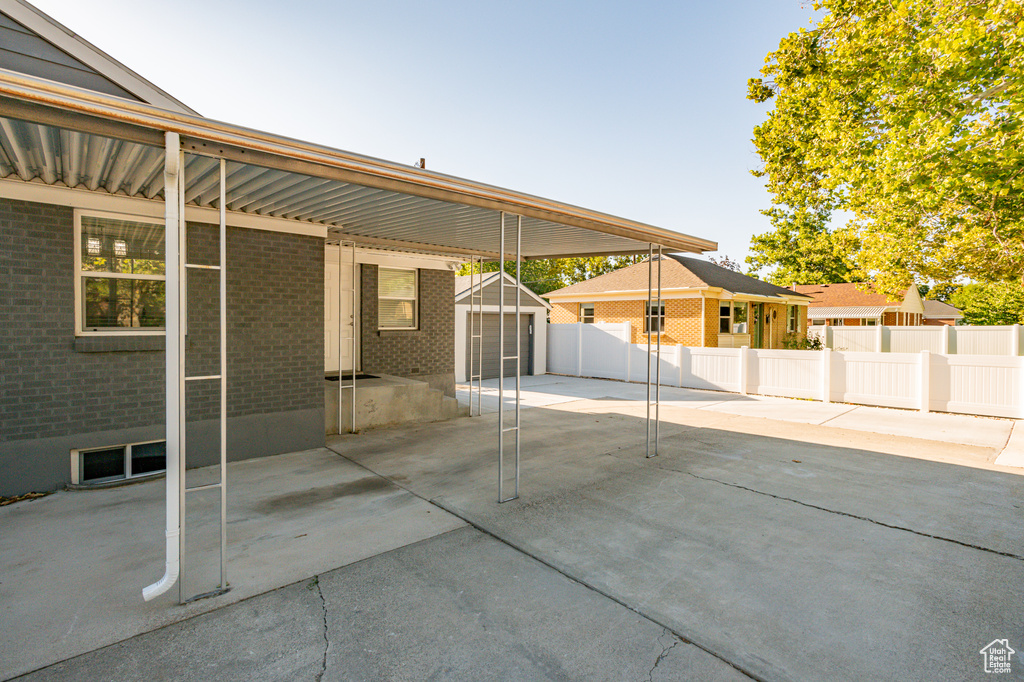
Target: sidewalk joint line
849 515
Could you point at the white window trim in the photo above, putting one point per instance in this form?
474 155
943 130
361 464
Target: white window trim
415 300
648 306
79 275
732 317
76 463
581 316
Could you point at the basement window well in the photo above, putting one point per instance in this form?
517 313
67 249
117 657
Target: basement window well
99 466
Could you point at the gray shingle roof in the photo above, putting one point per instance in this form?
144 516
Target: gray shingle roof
679 272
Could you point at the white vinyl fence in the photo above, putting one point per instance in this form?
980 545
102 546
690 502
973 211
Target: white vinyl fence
970 384
962 340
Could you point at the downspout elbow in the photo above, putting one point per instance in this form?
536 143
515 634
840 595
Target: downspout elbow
171 569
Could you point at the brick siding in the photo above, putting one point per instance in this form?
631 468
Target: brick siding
426 353
682 320
49 387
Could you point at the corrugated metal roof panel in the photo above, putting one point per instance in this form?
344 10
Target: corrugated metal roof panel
35 152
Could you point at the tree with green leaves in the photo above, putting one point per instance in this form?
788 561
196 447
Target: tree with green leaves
801 249
907 114
990 302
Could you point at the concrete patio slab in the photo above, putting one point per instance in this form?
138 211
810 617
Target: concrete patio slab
73 565
459 606
791 551
987 432
782 550
550 390
1013 454
785 409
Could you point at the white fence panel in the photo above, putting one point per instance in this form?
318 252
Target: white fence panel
970 384
714 368
855 339
563 348
886 379
917 339
787 373
638 360
989 386
995 340
604 350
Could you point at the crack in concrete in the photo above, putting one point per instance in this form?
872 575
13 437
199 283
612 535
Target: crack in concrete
849 515
561 571
664 653
327 642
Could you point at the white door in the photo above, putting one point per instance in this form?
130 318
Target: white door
338 300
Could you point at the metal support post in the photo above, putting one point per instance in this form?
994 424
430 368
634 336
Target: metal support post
476 346
221 378
351 338
502 358
653 317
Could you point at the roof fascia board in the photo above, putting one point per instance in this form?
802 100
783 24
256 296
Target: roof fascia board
60 118
70 42
263 149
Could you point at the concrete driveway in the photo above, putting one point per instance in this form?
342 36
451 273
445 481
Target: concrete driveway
750 548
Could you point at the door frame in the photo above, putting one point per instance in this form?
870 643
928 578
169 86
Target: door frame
332 256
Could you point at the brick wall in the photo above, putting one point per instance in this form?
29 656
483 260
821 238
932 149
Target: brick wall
711 323
682 319
46 387
56 390
564 313
427 353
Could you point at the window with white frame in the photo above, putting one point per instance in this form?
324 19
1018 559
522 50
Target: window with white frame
103 465
120 270
397 290
818 323
792 319
733 317
869 321
587 313
654 317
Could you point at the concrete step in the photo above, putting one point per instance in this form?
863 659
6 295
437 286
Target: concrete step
387 401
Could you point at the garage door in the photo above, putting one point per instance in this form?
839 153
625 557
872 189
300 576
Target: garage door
490 339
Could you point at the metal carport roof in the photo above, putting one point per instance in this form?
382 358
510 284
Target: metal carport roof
65 136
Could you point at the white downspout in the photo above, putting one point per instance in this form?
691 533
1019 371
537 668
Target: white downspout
172 267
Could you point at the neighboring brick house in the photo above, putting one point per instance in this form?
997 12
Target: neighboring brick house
703 305
937 314
857 304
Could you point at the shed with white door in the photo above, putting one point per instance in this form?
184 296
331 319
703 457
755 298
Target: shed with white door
532 327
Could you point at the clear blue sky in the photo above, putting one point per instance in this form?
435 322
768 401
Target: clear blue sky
632 108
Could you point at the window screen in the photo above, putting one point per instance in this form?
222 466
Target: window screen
396 298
